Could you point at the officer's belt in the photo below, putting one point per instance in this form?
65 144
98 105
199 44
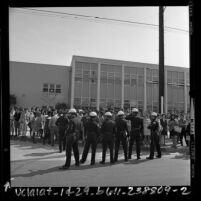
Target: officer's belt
107 133
136 128
90 132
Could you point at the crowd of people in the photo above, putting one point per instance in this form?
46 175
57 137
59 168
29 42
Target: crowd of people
110 128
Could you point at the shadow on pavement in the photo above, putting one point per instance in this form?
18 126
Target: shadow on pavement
29 145
182 156
41 154
37 172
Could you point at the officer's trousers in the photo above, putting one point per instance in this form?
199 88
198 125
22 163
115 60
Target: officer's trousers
62 139
89 143
134 137
155 143
123 141
71 143
110 144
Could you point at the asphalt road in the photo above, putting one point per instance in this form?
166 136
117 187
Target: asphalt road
37 165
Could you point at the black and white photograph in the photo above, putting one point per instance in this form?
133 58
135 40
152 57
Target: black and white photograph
99 96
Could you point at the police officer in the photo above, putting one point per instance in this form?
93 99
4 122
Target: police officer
62 123
121 135
154 127
137 131
72 140
92 134
108 130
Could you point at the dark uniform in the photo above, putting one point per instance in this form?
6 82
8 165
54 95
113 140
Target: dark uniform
92 134
46 131
108 130
121 137
62 123
72 138
154 127
137 131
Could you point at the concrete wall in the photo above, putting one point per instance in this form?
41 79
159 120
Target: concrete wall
27 79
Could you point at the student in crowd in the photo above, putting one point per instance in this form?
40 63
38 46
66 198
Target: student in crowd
53 127
147 132
164 128
16 122
23 125
37 127
12 126
173 125
47 129
182 125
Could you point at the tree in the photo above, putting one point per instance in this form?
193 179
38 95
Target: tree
61 106
13 99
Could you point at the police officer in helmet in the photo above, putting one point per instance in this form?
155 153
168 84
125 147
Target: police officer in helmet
92 134
121 135
72 140
108 130
154 127
137 131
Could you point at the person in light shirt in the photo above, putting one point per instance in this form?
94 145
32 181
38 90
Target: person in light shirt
53 127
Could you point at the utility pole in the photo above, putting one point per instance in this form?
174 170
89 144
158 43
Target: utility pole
161 60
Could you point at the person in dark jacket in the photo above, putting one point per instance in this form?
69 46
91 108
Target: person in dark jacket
154 127
72 137
16 122
137 132
46 129
61 124
92 134
182 125
108 130
164 125
121 135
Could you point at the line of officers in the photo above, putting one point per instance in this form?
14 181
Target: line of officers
111 134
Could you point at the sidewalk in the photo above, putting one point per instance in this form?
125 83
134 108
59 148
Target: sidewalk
167 148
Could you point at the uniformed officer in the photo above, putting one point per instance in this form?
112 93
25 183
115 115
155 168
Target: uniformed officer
154 127
92 134
137 131
72 140
121 135
108 130
62 123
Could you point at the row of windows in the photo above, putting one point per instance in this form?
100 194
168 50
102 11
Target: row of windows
52 88
152 75
176 78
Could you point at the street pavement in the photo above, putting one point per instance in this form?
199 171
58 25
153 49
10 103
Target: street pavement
37 165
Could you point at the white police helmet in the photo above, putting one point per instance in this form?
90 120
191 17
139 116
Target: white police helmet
92 114
135 110
154 114
72 110
109 114
120 113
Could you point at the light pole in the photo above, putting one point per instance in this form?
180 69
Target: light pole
161 60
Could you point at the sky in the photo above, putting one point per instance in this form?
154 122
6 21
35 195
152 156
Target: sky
49 38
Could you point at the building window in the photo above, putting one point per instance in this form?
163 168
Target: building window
51 88
77 101
58 88
175 78
127 79
45 87
187 79
148 74
154 75
181 78
169 77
